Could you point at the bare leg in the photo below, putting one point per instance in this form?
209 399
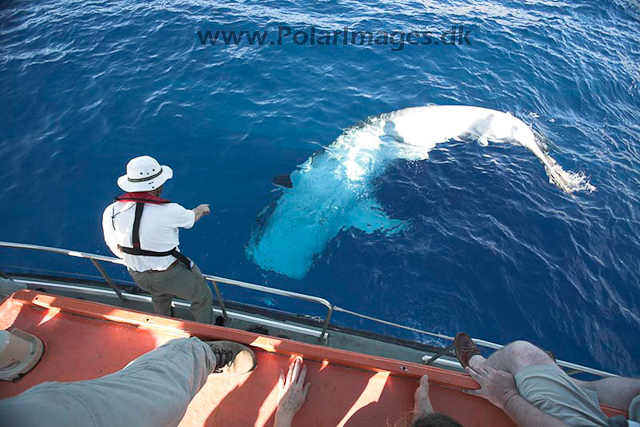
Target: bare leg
513 357
616 392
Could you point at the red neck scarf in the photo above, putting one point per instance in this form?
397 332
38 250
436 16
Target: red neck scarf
142 197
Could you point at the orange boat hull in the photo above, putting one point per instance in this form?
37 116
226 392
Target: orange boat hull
85 340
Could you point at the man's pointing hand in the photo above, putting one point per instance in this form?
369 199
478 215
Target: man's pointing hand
201 211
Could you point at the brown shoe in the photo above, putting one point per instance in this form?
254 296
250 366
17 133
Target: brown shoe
465 348
232 358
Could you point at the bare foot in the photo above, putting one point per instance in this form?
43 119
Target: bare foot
422 404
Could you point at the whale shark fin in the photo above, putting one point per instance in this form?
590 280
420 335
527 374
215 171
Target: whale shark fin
282 181
369 216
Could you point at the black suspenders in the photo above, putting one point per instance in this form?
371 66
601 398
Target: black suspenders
137 250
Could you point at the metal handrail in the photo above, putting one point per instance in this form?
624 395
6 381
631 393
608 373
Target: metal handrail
76 254
480 342
483 343
275 291
95 258
281 292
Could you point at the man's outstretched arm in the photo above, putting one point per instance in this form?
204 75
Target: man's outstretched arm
499 388
200 211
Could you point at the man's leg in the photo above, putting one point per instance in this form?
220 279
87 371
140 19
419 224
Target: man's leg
165 380
189 285
539 380
201 298
616 392
161 301
514 357
153 390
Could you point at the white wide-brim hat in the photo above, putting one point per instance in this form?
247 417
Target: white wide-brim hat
144 173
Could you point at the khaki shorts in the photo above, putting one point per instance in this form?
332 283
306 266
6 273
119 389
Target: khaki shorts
552 391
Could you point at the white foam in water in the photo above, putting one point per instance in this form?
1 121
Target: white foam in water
332 189
576 181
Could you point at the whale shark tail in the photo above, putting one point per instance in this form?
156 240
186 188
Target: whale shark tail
569 182
555 172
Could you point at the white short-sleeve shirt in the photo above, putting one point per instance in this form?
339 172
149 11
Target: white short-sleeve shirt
158 232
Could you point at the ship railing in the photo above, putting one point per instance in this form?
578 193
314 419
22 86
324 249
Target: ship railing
96 260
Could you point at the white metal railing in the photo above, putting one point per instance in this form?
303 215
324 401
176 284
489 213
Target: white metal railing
95 260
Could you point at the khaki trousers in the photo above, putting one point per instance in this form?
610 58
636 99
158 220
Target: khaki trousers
154 390
177 281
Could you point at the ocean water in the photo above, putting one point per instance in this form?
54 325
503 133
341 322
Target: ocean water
491 247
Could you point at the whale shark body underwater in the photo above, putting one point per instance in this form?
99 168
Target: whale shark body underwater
333 190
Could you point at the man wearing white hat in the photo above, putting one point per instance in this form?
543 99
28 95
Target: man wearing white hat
148 243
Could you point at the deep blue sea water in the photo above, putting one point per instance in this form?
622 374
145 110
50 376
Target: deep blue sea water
493 249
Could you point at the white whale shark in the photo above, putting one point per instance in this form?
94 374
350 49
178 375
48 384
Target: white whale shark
332 190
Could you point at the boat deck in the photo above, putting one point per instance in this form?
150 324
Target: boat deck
85 340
